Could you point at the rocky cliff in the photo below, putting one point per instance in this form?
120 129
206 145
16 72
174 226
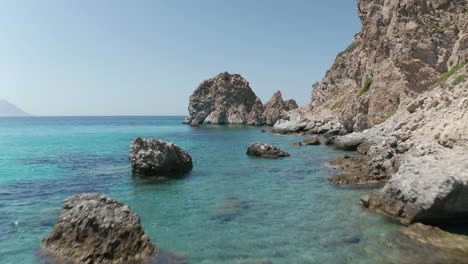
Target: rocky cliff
276 108
401 51
228 99
400 93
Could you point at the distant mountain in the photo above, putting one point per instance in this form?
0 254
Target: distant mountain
9 109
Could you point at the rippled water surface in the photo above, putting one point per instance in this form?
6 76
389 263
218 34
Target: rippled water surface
229 209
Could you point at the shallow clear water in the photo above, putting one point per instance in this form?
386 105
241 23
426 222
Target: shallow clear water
230 208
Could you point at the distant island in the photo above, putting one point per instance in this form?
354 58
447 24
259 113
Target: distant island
8 109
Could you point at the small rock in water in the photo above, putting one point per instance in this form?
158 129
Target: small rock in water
262 130
352 240
313 140
264 150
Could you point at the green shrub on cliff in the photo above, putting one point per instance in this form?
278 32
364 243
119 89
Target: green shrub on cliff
390 114
365 87
448 74
337 104
349 48
459 80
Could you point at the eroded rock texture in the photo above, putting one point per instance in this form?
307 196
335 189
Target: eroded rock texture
402 49
152 157
228 99
276 108
264 150
225 99
93 228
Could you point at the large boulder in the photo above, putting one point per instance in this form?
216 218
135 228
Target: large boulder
264 150
349 142
431 186
93 228
225 99
276 108
152 157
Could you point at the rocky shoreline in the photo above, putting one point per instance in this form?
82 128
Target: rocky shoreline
398 96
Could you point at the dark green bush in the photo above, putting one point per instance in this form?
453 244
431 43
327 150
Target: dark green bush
366 86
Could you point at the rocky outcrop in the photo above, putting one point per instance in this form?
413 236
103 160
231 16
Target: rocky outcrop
401 51
264 150
431 186
359 170
416 242
225 99
93 228
276 108
152 157
228 99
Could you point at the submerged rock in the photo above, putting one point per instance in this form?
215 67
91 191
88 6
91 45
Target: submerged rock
229 209
151 157
93 228
422 244
264 150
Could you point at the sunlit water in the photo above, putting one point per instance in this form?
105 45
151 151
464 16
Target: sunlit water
230 208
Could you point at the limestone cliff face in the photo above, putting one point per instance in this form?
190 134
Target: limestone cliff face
402 49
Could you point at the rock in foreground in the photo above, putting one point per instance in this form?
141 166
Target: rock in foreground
264 150
151 157
93 228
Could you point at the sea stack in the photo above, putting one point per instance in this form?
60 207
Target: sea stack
225 99
228 99
152 157
94 228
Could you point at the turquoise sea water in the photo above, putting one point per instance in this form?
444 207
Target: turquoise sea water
230 208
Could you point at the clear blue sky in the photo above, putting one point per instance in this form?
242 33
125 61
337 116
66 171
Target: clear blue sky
113 57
